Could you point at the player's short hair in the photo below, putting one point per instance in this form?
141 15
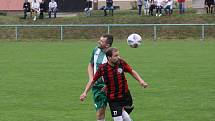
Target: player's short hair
109 39
109 51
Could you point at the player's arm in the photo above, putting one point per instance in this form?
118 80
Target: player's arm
90 84
128 69
90 71
87 88
138 78
90 68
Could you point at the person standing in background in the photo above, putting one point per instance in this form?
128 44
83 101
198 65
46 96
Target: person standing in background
35 7
209 4
42 9
181 6
26 8
52 8
146 7
139 4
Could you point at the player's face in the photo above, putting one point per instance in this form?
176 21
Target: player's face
115 57
102 43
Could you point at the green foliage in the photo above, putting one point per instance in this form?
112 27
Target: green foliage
42 81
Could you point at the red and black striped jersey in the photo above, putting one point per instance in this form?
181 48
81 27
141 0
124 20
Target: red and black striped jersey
114 78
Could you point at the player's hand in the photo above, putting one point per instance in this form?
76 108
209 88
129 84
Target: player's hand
83 96
143 84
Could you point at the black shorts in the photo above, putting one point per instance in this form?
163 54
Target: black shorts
117 106
129 103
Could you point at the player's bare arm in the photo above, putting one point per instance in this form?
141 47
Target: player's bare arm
90 74
88 86
139 79
90 71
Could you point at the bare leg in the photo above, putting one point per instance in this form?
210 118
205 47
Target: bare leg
100 114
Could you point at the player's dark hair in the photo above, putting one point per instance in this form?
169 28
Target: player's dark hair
109 39
109 51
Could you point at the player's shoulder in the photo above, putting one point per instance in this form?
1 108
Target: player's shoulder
96 48
121 60
102 66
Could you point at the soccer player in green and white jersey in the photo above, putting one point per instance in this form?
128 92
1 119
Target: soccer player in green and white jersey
98 57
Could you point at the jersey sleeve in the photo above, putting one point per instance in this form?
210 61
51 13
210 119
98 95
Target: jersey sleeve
127 68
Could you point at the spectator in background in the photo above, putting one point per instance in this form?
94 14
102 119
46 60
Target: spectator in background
209 4
159 7
152 6
35 7
52 8
88 7
42 9
213 6
146 7
181 6
26 8
168 7
140 4
109 6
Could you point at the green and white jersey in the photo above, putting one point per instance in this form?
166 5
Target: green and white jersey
98 57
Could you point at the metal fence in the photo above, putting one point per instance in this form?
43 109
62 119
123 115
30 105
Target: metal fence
109 27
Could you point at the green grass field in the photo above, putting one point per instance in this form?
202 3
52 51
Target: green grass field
42 81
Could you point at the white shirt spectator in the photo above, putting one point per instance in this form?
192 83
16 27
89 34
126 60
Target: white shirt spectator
52 4
146 4
35 5
52 8
169 3
159 2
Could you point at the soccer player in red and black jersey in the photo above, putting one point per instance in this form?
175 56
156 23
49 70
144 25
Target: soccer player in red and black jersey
116 83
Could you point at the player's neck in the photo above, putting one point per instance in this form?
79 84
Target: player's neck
111 64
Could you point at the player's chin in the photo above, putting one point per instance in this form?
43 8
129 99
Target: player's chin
116 61
100 46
